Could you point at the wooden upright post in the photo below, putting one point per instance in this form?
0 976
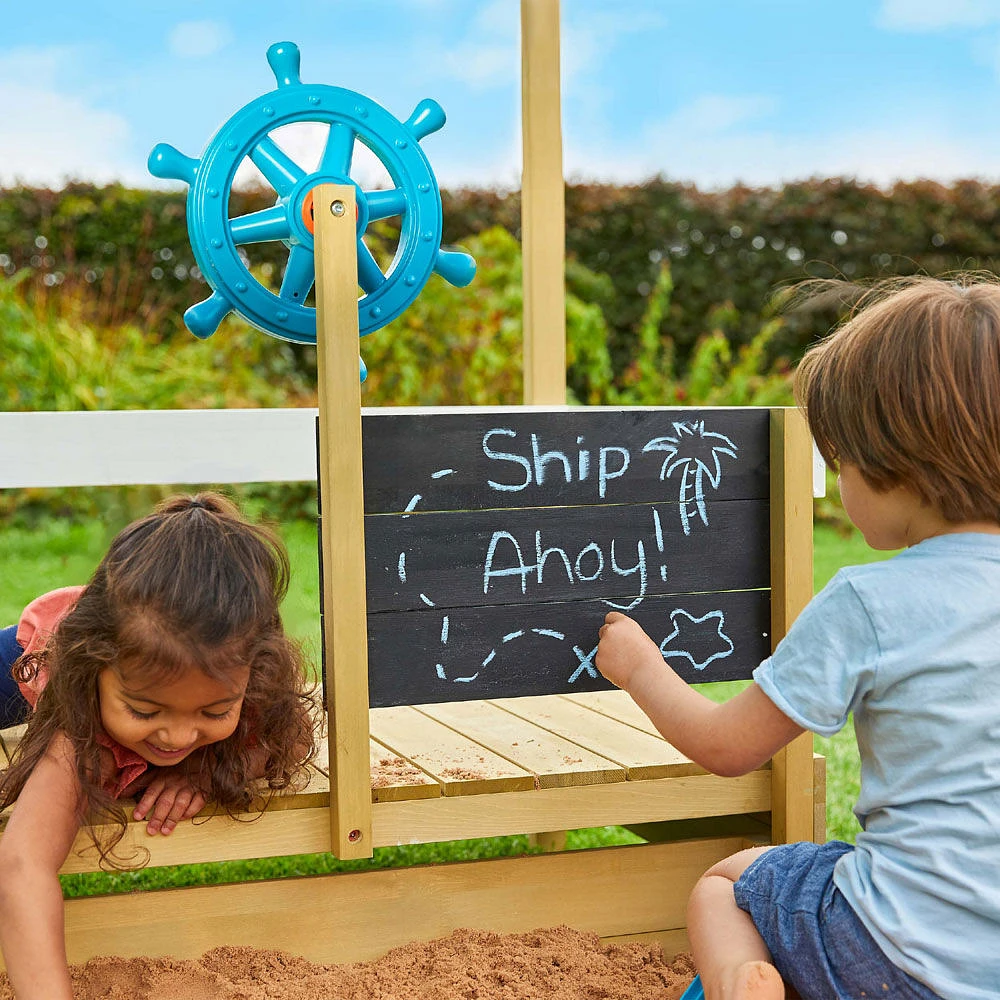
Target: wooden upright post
792 782
543 206
345 624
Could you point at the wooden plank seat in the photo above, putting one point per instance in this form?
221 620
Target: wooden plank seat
599 744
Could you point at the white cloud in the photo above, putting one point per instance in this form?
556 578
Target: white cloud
488 56
588 42
936 15
719 112
874 154
481 64
198 39
48 131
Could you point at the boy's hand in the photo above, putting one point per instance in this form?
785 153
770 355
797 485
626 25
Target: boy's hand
171 796
625 650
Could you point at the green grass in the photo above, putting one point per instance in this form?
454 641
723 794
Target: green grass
57 553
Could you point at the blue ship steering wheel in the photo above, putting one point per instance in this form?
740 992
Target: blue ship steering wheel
216 238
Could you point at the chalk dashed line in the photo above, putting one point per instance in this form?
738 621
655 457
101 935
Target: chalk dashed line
414 500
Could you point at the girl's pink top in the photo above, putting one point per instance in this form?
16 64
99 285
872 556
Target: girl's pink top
38 622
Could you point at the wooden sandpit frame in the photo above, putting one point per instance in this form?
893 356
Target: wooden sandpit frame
625 775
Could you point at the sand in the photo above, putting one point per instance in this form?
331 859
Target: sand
554 963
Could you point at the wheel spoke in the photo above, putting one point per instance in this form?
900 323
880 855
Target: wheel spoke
385 204
370 276
338 152
261 227
300 273
280 170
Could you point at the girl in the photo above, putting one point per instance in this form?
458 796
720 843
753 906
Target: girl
904 403
168 678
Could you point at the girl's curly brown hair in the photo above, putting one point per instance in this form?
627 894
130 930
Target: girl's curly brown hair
192 584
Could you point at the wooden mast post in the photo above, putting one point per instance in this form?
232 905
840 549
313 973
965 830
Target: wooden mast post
543 228
345 621
792 775
543 206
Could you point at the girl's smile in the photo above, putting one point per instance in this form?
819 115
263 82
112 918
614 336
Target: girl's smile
166 721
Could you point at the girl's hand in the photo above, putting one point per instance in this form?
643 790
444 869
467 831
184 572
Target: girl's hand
171 796
625 650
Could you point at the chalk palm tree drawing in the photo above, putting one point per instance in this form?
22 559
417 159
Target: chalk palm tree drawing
695 452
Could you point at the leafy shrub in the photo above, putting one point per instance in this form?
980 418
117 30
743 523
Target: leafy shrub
464 345
732 247
717 373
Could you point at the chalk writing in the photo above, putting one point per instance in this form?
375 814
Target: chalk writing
531 558
612 462
587 566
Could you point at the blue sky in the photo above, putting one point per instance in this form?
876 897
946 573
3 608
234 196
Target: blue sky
709 91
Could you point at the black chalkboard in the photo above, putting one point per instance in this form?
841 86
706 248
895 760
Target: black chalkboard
496 542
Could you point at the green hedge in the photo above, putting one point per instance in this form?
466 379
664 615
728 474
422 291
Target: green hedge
729 248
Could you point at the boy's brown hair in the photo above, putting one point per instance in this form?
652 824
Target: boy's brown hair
908 390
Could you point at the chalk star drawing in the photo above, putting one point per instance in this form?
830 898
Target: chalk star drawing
695 452
687 635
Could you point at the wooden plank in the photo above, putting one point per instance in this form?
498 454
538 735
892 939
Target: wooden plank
486 459
395 778
342 519
322 759
522 556
460 817
553 760
468 654
462 766
616 705
274 833
792 584
10 738
112 447
643 756
358 916
543 209
280 832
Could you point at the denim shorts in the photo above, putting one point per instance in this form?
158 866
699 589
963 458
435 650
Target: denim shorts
816 940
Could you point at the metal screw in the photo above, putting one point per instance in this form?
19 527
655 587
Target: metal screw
338 208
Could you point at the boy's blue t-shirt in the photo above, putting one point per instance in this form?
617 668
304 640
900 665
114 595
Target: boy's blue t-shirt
911 646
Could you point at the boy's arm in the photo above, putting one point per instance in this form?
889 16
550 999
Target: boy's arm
728 739
34 846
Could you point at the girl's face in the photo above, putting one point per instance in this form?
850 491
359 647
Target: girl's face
167 720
